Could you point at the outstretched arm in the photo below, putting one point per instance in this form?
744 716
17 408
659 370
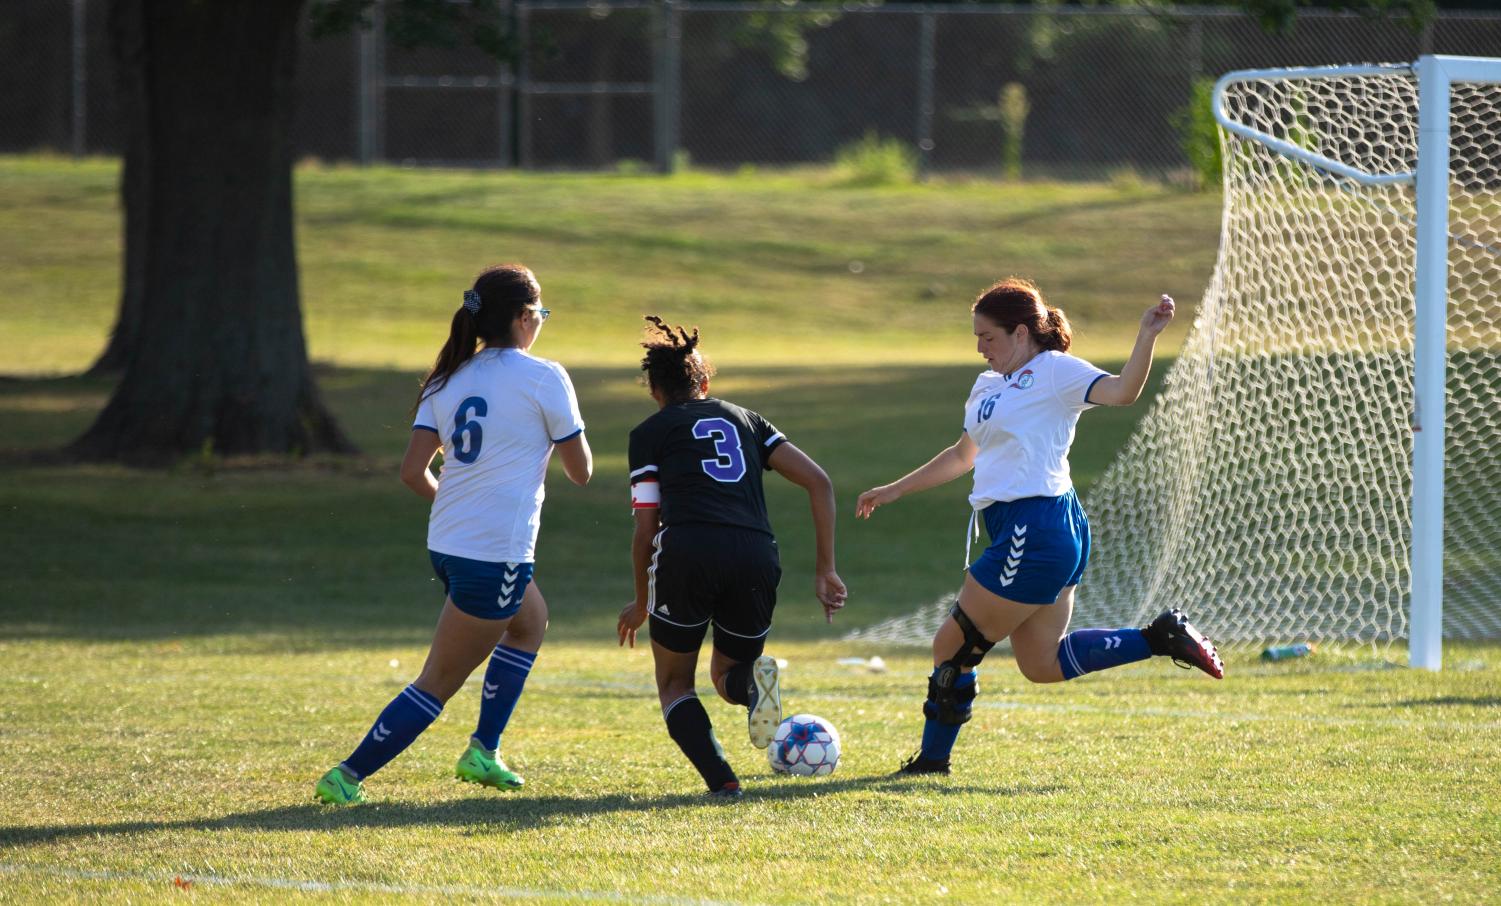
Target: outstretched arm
415 471
946 466
798 468
1125 388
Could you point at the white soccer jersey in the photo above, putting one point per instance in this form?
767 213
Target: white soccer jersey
1023 423
498 417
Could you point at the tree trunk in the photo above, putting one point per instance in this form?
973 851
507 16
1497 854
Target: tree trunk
218 361
127 42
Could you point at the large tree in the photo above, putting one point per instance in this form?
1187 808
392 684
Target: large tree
209 343
213 354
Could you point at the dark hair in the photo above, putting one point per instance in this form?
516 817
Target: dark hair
674 367
504 291
1016 301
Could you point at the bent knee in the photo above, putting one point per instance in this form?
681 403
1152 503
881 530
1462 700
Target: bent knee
1042 671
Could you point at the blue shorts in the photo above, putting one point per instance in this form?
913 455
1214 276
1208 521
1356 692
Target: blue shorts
1038 547
490 591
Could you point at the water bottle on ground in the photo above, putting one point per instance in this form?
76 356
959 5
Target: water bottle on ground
1284 652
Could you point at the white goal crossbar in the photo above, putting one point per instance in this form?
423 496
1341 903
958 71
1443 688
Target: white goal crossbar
1435 75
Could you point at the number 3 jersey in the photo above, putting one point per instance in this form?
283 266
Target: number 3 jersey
701 462
498 418
1023 423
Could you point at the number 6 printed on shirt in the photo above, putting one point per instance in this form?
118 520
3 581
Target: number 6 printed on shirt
466 449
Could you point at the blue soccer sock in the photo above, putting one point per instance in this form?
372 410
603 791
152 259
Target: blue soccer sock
938 738
1087 650
504 679
404 719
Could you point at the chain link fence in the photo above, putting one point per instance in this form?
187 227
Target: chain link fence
1069 92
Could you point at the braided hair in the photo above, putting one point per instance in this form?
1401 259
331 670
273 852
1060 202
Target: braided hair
673 365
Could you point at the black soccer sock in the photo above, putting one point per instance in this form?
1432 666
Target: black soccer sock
737 683
688 725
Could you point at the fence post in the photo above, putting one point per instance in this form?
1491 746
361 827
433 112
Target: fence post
80 79
668 93
523 87
505 113
1195 52
926 63
370 93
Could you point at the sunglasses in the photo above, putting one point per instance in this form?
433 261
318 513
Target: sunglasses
542 313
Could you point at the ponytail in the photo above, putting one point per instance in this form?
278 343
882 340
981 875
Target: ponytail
1016 301
1057 333
490 309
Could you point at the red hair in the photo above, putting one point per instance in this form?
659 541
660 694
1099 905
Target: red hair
1014 301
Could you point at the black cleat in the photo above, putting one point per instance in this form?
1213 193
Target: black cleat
1171 635
920 765
730 792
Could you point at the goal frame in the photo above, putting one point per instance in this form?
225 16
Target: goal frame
1435 75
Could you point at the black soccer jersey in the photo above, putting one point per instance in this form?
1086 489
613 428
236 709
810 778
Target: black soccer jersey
701 462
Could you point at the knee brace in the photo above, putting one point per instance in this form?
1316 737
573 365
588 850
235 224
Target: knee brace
947 702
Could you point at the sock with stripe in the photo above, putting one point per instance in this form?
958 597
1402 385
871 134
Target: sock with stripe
404 719
1087 650
688 725
504 679
938 738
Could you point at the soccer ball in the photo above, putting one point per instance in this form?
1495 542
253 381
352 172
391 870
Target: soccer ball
804 744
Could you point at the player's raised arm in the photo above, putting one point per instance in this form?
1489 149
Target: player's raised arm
798 468
1125 388
953 461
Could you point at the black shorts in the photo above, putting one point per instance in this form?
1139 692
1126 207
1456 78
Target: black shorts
702 574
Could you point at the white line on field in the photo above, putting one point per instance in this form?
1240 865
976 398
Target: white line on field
342 885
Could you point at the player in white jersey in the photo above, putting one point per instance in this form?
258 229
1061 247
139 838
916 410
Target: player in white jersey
1018 426
497 413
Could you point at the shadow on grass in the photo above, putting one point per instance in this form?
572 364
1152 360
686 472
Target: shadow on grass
490 813
1455 701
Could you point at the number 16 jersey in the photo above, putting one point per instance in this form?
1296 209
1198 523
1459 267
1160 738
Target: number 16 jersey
701 462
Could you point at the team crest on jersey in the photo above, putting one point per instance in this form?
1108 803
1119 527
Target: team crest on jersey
1023 380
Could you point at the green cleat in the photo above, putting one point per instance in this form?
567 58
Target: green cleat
486 768
338 788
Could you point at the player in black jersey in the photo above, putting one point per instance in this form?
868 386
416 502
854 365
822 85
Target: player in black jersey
704 552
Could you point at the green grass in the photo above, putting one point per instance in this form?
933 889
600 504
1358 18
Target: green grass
141 761
765 262
187 649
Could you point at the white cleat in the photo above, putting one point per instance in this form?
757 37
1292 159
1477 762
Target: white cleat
766 702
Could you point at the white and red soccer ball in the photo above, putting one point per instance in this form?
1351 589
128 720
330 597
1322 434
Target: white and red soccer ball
806 745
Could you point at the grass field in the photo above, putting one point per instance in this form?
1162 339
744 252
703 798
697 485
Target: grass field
188 648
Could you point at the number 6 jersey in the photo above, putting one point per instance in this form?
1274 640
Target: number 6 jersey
498 418
701 462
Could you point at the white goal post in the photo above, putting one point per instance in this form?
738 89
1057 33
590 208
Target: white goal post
1436 76
1288 481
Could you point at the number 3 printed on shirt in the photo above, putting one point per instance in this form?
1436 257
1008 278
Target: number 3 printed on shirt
467 433
729 463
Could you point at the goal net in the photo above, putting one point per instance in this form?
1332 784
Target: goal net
1268 488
